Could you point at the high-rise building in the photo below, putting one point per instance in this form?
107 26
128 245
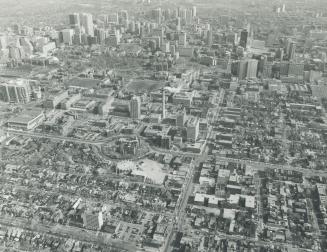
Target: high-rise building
247 69
192 129
3 42
77 38
194 11
123 16
181 118
182 14
242 67
165 142
209 37
178 24
283 8
296 69
74 20
267 70
100 35
157 15
252 69
135 107
87 23
67 36
244 38
167 14
189 16
113 18
182 39
18 91
291 52
163 104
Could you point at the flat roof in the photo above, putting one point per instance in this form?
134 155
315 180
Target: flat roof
26 116
83 82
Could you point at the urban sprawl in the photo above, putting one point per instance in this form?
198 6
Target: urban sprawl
166 129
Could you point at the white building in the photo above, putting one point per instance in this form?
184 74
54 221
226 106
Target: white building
87 23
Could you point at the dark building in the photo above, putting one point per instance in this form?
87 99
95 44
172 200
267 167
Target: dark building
244 38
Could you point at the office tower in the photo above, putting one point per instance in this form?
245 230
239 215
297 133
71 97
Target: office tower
87 23
102 19
113 18
281 54
172 50
262 60
182 39
100 35
27 45
26 31
18 91
167 14
283 68
178 24
3 42
192 129
284 8
165 47
252 68
67 36
244 38
181 118
113 40
209 37
175 14
247 69
77 39
267 70
138 28
135 107
242 65
291 52
182 14
123 16
165 142
162 35
131 27
163 104
16 53
74 20
189 16
157 15
296 69
287 45
194 11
